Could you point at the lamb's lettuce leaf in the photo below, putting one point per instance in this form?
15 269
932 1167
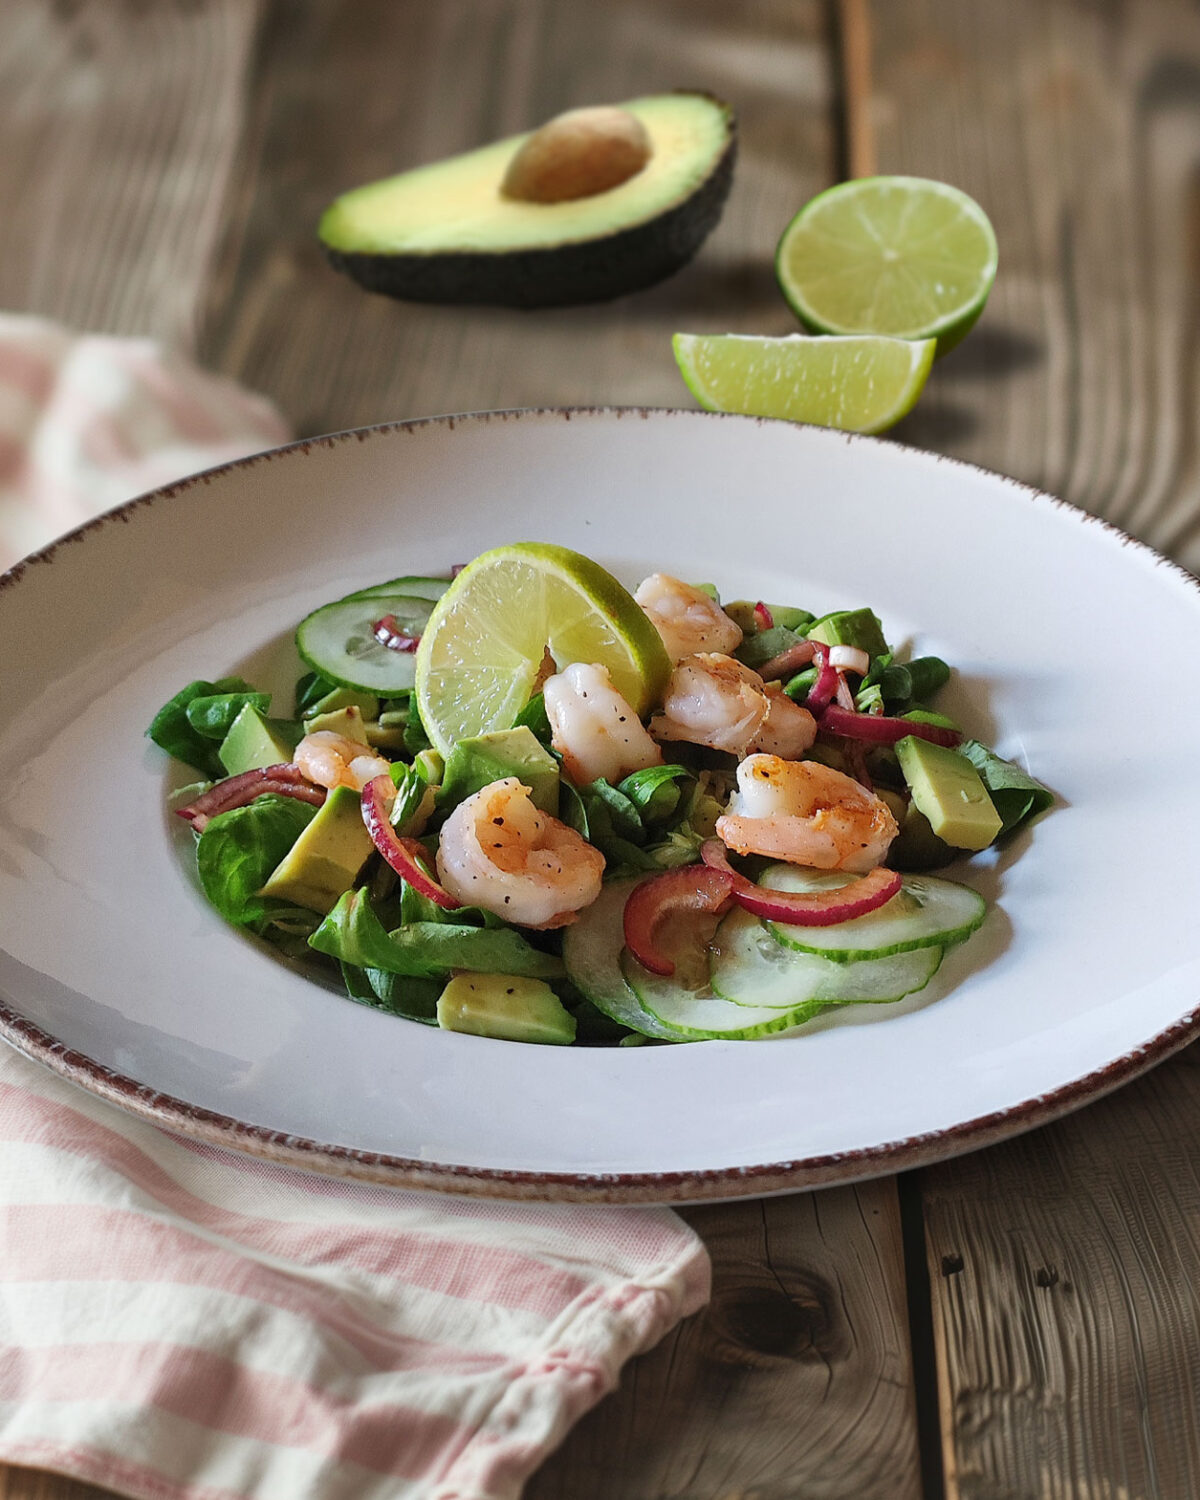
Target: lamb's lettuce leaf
238 850
426 950
171 731
1016 795
212 714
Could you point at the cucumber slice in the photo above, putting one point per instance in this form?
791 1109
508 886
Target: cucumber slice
591 951
413 588
748 967
338 641
685 1001
926 912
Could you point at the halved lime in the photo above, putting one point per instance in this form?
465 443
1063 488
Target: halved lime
488 635
859 384
898 255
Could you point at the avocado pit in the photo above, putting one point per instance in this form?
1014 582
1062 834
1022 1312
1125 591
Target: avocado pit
577 154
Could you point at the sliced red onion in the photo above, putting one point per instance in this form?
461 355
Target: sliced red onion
849 659
826 685
843 695
763 618
404 855
388 633
457 569
788 662
805 908
689 888
283 780
882 729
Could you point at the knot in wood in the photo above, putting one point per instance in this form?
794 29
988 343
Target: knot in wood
747 1325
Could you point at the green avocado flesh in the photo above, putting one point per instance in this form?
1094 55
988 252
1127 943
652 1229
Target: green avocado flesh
446 233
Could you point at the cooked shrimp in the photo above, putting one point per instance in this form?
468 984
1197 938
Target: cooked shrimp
499 852
714 700
788 729
806 813
687 618
594 729
329 759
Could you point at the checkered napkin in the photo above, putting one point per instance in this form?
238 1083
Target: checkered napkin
182 1321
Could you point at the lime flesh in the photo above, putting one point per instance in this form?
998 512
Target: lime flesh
858 384
903 256
486 640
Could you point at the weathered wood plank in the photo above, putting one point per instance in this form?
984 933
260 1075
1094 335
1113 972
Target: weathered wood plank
1077 126
352 92
1066 1282
796 1381
120 123
798 1377
1065 1267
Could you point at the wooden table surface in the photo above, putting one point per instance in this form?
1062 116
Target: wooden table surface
1023 1322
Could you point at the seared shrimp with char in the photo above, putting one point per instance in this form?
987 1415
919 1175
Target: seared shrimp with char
808 814
498 851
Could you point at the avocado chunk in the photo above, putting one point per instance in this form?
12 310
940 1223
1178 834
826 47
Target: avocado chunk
344 697
947 788
480 759
325 860
254 741
346 721
505 1007
449 232
850 627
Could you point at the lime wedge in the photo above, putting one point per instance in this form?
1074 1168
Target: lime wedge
859 384
487 638
898 255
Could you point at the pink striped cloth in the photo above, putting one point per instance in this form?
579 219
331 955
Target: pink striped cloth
183 1323
88 421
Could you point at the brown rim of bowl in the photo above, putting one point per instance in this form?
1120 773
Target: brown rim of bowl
624 1187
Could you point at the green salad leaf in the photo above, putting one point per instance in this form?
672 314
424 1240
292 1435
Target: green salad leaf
398 994
172 731
238 850
656 792
212 714
424 949
1017 796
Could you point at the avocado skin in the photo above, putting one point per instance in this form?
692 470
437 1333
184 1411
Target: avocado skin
593 270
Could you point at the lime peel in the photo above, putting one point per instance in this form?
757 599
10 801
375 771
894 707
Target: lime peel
857 383
923 253
484 644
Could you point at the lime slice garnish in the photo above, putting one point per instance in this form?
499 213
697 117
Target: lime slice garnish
859 384
898 255
487 638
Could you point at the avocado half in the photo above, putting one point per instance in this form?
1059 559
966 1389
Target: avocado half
446 233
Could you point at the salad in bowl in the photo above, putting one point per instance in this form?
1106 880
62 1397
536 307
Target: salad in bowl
526 803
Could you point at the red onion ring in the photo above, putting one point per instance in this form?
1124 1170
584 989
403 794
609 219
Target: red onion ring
283 780
788 662
763 618
805 908
388 633
826 685
404 855
689 888
882 729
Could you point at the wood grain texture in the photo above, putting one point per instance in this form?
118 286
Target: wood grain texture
120 123
796 1380
1066 1281
134 137
1077 126
347 92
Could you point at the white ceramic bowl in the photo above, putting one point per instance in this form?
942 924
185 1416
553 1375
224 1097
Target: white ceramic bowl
1071 645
